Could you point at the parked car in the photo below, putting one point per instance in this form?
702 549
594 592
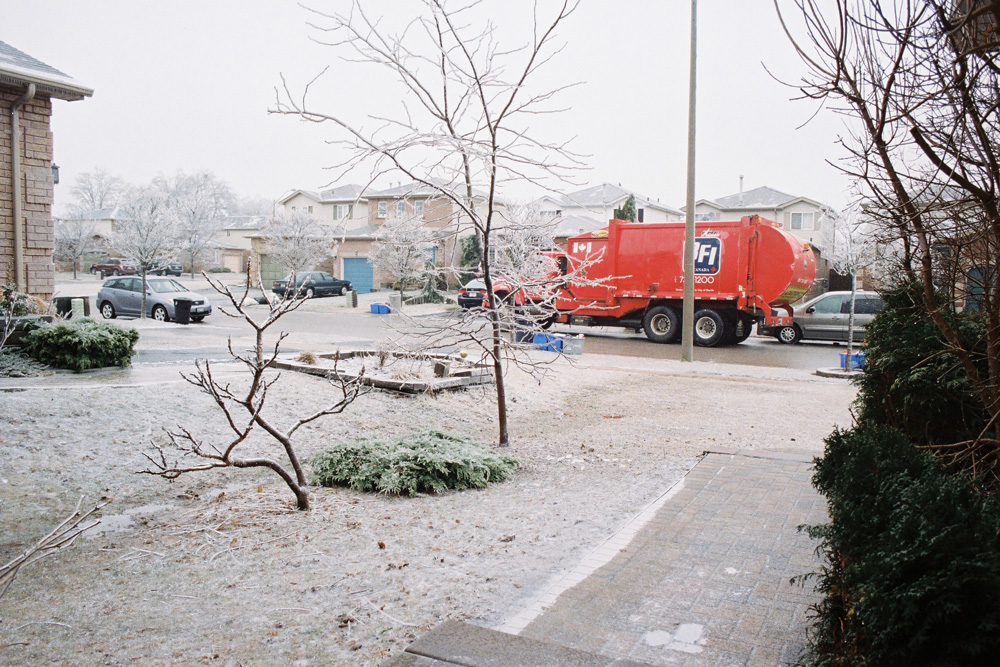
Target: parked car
309 284
472 294
123 297
166 267
826 316
114 266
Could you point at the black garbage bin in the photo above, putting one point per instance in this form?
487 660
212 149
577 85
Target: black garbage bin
182 310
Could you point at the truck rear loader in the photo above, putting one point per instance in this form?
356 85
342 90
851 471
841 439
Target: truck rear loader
632 275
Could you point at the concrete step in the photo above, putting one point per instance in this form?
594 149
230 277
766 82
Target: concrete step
457 643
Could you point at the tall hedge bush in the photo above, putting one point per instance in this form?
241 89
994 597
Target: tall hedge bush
912 381
913 558
81 344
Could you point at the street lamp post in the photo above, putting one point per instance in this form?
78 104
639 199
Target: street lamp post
687 317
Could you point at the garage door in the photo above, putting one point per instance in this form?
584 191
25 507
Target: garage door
360 272
233 262
270 271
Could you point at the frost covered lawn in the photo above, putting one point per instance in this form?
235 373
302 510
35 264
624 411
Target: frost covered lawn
219 569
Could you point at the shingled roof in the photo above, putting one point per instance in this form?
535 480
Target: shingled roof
19 69
762 197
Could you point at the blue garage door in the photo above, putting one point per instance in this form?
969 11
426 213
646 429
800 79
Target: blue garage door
360 272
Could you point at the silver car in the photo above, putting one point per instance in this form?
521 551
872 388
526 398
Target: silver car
123 297
826 317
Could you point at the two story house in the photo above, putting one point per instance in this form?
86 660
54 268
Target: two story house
590 209
354 216
808 219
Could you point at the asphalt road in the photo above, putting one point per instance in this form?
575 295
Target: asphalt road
755 351
356 328
324 324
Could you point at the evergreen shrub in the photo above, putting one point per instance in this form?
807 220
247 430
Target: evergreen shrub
912 574
410 464
80 344
912 381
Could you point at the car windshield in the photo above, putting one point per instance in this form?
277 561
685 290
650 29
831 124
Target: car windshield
475 284
162 285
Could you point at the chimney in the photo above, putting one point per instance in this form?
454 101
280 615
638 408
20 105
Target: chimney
741 189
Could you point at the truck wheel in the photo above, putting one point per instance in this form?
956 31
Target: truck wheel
661 324
788 335
708 328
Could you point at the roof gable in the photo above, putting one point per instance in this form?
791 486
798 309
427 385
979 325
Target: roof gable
17 68
607 194
762 197
343 193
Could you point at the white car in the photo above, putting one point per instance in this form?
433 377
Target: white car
826 316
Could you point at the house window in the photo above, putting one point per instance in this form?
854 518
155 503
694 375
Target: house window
401 208
383 209
803 221
342 211
641 214
310 209
418 209
550 213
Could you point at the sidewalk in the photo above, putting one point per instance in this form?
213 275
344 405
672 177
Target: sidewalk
700 578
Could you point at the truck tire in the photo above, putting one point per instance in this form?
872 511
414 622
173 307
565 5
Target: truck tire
709 328
661 324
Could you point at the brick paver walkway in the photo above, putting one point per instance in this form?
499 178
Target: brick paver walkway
706 580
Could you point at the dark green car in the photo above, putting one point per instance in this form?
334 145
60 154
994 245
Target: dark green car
309 284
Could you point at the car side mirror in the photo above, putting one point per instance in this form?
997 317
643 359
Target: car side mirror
811 309
563 263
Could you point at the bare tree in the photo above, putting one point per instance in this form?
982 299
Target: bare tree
402 250
146 232
463 129
75 239
297 241
247 409
852 251
255 206
917 82
200 203
96 190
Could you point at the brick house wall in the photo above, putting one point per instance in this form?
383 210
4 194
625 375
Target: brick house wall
37 190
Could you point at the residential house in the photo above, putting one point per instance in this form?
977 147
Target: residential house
341 204
355 216
233 246
27 172
807 219
590 209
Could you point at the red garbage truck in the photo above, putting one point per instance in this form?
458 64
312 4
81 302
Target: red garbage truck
632 275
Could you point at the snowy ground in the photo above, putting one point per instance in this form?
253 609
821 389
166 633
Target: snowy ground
219 569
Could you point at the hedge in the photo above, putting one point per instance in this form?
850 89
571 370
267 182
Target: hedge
913 558
81 344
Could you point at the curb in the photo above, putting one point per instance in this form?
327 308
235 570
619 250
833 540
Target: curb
838 373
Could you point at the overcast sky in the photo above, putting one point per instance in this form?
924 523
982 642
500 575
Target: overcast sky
186 85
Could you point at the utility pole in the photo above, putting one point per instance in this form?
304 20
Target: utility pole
687 317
